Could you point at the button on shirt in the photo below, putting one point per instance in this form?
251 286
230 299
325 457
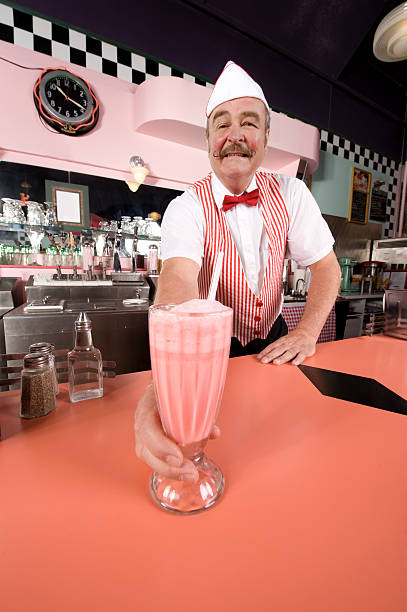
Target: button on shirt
309 238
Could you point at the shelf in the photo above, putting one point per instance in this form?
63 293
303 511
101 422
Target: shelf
22 227
54 229
361 296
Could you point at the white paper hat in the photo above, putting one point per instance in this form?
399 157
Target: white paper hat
234 82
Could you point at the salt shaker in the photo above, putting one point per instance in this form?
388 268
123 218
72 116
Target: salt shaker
37 387
85 368
47 349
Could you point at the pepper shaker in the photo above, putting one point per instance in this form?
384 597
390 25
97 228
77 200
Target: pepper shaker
37 387
47 349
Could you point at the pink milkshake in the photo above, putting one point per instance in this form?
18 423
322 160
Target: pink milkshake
189 348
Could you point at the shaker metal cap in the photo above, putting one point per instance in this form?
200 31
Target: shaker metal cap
36 360
41 347
83 322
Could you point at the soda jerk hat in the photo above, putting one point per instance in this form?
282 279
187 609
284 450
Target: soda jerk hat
234 82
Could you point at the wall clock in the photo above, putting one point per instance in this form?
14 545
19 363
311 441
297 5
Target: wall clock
66 102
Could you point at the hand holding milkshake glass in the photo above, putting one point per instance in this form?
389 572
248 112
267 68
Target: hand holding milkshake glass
189 347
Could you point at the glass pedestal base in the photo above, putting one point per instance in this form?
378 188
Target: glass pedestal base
189 497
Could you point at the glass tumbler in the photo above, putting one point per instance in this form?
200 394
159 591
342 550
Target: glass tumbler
189 358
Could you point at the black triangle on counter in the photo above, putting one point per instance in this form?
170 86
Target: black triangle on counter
356 389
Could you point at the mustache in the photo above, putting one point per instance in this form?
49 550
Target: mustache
234 149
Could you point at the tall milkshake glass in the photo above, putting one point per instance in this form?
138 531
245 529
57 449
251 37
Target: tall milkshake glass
189 347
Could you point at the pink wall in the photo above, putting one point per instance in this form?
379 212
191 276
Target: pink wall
173 109
161 120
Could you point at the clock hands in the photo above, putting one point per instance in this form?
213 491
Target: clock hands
62 92
77 103
70 99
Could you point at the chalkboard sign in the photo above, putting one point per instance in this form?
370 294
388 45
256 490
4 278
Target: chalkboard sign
359 196
378 202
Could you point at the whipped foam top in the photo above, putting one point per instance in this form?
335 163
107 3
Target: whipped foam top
195 327
198 306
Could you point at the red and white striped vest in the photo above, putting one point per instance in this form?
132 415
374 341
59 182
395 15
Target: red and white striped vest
253 316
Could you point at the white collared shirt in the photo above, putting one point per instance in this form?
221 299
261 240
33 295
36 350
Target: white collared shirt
309 238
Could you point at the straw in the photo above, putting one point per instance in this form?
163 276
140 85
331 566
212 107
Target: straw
215 276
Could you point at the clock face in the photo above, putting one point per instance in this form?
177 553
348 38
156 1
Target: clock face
66 102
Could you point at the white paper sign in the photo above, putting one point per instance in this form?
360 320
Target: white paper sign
68 206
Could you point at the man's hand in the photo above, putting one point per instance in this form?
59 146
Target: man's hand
155 448
300 343
294 347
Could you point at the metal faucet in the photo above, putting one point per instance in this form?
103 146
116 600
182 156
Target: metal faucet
75 272
116 257
134 256
59 273
103 270
300 280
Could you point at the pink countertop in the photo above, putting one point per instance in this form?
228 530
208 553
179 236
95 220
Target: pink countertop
313 517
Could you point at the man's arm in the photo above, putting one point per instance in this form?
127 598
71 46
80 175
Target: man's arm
300 343
178 281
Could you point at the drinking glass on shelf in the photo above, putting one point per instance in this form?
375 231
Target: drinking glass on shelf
126 225
87 254
9 210
51 256
50 214
136 223
104 225
113 226
189 347
2 211
35 213
153 229
149 227
99 239
19 212
141 227
35 236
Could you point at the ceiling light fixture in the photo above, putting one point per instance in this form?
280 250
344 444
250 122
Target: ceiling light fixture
139 172
390 39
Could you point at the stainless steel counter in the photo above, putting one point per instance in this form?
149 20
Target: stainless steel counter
7 303
118 287
119 331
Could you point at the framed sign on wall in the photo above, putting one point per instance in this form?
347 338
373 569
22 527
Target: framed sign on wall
359 195
378 202
71 204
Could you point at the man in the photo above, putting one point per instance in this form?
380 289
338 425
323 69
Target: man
252 217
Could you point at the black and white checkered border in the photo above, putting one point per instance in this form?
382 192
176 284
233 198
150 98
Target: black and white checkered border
70 45
364 157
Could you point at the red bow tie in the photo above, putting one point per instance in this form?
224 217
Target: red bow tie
250 199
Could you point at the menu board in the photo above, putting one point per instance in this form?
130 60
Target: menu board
378 203
359 195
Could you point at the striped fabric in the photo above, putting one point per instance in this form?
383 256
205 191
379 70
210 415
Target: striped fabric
253 316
